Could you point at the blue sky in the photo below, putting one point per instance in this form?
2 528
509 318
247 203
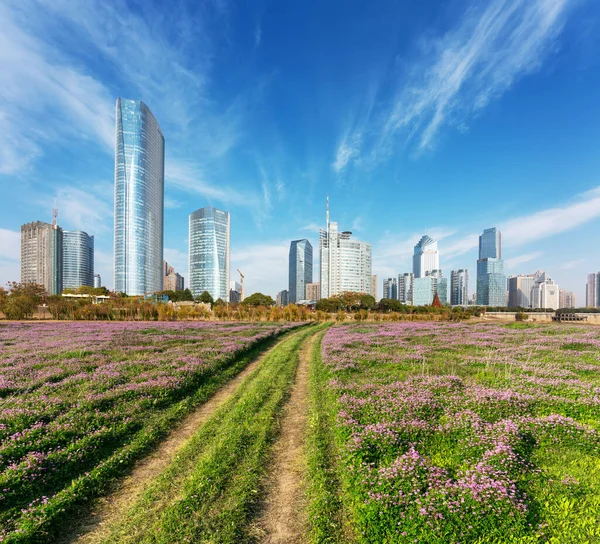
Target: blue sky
415 117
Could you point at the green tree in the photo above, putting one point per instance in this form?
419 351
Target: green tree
387 305
186 295
206 298
258 299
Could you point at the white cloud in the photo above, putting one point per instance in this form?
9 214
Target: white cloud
88 210
264 266
312 227
10 255
520 259
570 265
257 35
178 260
172 203
348 149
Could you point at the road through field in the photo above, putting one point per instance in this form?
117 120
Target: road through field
111 508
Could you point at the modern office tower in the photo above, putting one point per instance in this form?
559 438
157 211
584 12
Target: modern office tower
405 287
423 290
491 281
42 255
440 285
345 263
592 291
78 259
459 287
283 298
545 293
235 292
209 252
313 291
566 299
300 269
139 199
390 288
172 281
374 287
97 281
426 257
519 289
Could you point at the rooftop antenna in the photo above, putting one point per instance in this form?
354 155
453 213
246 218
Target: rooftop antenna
54 214
327 215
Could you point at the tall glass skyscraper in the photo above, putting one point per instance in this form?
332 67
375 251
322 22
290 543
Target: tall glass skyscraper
209 253
426 257
139 199
78 259
300 269
491 281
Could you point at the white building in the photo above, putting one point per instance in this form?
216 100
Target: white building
426 257
591 290
545 293
459 287
345 263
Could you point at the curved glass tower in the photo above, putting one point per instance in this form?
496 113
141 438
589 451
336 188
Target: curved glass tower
300 269
78 259
209 253
139 199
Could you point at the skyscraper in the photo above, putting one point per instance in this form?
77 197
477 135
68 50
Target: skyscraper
459 287
97 281
374 287
519 289
426 257
209 252
592 290
313 291
440 285
139 199
545 293
172 281
283 298
300 269
390 288
78 259
42 255
566 299
405 287
345 263
491 281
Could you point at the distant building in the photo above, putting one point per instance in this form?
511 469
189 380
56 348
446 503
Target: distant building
139 199
78 259
405 287
426 257
172 281
390 288
566 299
97 281
592 291
345 262
313 291
519 289
545 293
459 287
491 281
42 256
440 285
209 237
423 290
374 287
300 269
283 298
235 292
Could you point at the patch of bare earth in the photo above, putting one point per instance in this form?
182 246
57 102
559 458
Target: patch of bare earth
283 518
110 509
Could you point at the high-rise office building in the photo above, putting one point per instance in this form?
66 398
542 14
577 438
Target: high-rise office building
459 287
313 291
405 287
300 269
42 256
423 290
440 285
566 299
491 281
374 287
545 293
139 199
283 298
235 292
97 281
426 257
519 289
172 281
592 290
390 288
209 252
345 262
78 259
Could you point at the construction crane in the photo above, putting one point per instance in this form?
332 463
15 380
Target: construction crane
242 293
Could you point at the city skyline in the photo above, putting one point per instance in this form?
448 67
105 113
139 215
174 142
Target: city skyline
245 134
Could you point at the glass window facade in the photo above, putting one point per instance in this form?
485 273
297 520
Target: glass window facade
209 252
491 282
490 246
139 199
300 269
78 259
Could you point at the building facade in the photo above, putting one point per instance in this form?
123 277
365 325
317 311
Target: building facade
390 288
459 287
345 262
592 290
426 257
440 285
545 293
300 269
423 290
42 256
405 287
139 199
78 259
491 281
172 281
97 281
313 291
283 298
374 287
566 299
519 290
209 235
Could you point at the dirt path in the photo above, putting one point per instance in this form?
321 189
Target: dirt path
111 508
283 521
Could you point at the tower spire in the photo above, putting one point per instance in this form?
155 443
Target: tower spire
54 214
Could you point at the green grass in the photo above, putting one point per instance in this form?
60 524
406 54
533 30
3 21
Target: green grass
212 490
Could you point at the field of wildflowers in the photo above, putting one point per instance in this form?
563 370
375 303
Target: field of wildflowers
79 402
464 433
